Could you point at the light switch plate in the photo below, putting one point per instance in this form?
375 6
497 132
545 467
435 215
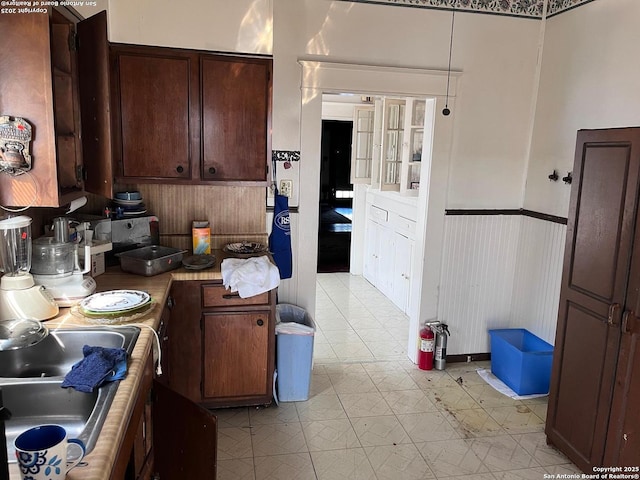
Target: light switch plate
286 188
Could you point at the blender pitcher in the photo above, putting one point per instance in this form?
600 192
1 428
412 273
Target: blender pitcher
20 297
15 245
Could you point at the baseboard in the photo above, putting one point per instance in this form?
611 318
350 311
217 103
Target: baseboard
468 357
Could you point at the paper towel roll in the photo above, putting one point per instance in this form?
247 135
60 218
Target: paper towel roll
76 204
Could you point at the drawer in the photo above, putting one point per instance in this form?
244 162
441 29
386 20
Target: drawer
378 214
218 296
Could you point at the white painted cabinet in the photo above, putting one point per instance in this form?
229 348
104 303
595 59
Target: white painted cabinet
388 258
401 280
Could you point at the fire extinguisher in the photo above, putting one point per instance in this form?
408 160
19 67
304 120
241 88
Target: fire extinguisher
442 332
425 350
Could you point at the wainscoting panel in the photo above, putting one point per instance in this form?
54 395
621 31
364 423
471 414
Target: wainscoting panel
538 275
479 262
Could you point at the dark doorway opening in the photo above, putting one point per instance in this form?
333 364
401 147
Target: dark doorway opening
336 197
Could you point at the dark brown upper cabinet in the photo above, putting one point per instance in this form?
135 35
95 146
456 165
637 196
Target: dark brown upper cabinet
39 83
236 120
182 116
53 69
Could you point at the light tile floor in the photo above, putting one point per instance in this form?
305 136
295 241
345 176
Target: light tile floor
372 414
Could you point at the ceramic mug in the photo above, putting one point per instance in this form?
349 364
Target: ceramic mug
42 452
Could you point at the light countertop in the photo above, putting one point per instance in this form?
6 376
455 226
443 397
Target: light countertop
101 459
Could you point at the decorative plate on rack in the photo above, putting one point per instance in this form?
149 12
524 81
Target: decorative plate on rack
245 248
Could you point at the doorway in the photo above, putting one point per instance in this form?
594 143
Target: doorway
336 197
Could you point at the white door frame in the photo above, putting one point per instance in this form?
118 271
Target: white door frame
324 77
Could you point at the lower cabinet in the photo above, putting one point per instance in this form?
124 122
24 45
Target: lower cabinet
161 420
221 347
387 263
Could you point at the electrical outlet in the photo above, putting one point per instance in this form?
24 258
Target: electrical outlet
286 188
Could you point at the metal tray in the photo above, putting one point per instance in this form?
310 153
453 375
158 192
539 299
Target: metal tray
151 260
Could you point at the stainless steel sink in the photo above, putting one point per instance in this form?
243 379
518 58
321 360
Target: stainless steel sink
31 378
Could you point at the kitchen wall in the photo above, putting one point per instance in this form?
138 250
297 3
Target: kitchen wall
589 79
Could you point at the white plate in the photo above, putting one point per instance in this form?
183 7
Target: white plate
114 301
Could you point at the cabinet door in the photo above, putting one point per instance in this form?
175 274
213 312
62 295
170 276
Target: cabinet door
184 437
370 267
156 98
594 284
403 251
236 118
184 349
386 261
236 355
39 84
95 95
362 144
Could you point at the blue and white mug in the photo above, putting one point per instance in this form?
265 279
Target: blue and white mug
42 452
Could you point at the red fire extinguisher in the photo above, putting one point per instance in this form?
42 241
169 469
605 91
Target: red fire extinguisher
425 349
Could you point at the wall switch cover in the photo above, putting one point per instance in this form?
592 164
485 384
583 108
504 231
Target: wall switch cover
286 188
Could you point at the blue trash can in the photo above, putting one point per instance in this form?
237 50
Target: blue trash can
295 330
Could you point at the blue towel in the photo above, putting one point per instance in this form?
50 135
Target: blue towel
98 366
280 238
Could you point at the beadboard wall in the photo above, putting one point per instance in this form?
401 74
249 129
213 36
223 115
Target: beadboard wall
536 287
499 271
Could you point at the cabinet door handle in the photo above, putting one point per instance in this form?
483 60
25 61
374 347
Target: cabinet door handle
229 296
212 170
614 308
260 322
179 169
628 321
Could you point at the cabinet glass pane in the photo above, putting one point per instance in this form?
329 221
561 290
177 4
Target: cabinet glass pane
417 116
416 144
362 153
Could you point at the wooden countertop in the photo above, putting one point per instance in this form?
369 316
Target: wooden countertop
101 459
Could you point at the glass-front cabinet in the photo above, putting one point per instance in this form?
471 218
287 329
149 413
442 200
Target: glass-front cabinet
392 144
362 144
390 141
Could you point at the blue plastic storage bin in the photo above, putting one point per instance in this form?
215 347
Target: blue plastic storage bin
521 360
295 331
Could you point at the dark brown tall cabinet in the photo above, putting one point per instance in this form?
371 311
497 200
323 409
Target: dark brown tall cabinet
593 415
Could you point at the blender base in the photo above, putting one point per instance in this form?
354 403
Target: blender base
67 290
32 302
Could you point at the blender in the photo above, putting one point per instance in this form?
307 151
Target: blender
55 265
20 297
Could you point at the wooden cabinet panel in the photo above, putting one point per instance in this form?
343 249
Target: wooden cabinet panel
591 348
236 354
219 296
155 125
95 111
184 116
235 118
39 84
185 341
221 351
185 437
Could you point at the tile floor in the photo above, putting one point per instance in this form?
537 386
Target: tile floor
373 415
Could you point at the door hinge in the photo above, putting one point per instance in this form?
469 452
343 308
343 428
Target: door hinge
170 302
81 173
73 41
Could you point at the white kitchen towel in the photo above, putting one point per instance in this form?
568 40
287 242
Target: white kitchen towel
249 276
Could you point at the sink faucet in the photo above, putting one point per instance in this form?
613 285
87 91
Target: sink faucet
5 414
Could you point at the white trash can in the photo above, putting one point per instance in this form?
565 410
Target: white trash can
295 330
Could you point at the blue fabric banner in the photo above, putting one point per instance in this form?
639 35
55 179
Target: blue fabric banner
280 237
